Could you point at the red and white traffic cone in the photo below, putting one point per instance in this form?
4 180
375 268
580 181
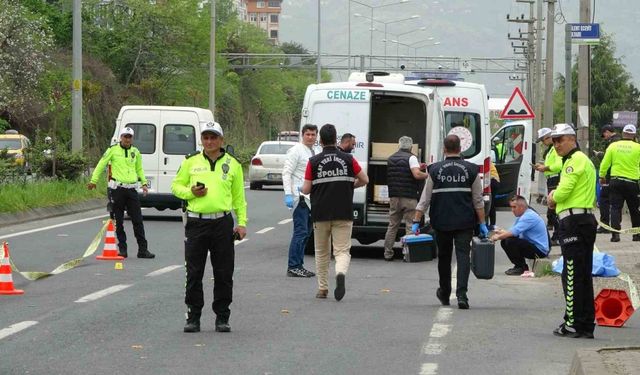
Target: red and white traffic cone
6 280
110 251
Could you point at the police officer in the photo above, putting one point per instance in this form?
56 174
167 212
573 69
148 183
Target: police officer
453 194
551 168
212 184
609 135
624 159
126 171
403 176
573 200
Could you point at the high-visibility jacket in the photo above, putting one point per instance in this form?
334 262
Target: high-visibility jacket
126 165
623 157
577 187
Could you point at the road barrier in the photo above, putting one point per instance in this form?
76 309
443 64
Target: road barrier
35 275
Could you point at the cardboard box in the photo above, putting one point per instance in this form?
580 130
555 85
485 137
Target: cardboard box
384 150
381 193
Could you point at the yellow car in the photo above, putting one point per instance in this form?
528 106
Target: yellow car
16 146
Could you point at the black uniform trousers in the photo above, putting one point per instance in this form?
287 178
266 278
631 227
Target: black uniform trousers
624 191
462 241
577 237
204 236
552 217
518 250
122 199
604 203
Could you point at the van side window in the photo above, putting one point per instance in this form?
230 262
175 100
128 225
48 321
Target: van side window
471 122
179 139
144 138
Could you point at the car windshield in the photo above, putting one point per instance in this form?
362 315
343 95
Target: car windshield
11 144
275 148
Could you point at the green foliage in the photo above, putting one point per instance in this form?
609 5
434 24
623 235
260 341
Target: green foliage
23 196
58 17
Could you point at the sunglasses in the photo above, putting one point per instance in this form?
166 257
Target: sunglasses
127 136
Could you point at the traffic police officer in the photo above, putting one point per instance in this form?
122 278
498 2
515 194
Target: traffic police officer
604 202
573 200
126 171
551 168
212 184
453 194
624 159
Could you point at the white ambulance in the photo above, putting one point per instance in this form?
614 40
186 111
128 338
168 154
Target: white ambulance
379 108
164 135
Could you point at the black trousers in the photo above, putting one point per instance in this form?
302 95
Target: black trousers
122 199
605 204
462 241
577 236
624 191
518 250
214 236
552 217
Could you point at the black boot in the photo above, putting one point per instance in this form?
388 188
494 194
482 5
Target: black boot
193 322
146 254
122 251
636 237
222 324
615 237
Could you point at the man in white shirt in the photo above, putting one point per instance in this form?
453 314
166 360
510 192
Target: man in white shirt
292 179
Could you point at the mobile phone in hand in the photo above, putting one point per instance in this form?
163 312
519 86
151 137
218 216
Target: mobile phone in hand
200 185
236 236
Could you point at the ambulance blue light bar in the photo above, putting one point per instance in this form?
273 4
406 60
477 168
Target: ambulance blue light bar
436 82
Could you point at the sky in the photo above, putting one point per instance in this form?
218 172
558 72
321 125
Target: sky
463 28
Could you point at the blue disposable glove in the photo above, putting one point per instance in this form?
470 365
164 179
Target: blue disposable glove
415 228
288 200
484 231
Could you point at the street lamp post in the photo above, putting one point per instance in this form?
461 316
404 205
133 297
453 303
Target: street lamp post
415 48
385 23
371 8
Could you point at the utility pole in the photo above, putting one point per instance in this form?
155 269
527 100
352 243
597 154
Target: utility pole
538 71
76 90
584 82
548 77
318 63
212 60
567 74
528 50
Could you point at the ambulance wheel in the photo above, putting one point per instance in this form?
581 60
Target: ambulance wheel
255 186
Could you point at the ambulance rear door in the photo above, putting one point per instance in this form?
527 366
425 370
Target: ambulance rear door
512 150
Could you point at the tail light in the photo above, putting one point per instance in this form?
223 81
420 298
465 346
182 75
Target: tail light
256 161
485 171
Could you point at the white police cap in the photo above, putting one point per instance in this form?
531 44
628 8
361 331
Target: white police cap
629 129
212 127
543 132
126 131
562 129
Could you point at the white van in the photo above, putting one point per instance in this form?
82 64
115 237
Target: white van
379 108
164 135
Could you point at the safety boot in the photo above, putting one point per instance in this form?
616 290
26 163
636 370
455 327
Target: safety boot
636 237
615 237
222 324
145 254
193 322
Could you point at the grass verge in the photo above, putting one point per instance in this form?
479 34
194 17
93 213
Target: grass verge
37 194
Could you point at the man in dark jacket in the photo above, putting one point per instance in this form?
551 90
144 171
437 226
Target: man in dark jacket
453 194
403 176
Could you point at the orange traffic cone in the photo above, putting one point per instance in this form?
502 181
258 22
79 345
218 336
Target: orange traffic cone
6 281
110 251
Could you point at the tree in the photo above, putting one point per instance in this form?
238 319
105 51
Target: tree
25 42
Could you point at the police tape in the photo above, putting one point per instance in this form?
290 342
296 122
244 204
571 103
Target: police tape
635 230
36 275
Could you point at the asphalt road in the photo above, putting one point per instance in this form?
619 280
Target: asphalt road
388 323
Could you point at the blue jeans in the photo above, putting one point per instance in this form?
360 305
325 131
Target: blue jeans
301 232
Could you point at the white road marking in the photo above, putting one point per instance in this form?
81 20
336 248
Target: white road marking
440 330
285 221
163 270
15 328
429 369
265 230
51 227
103 293
433 348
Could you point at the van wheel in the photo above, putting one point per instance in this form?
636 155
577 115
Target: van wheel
255 186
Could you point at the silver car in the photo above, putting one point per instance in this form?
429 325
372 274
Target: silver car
266 165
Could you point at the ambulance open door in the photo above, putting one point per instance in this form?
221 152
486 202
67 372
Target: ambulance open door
511 152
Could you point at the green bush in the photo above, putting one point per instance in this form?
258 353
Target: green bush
69 166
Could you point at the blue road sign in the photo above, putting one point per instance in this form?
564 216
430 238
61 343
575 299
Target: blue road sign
586 33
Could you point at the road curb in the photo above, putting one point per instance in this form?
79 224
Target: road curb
48 212
612 360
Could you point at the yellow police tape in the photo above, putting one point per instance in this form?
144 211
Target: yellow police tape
35 275
633 291
625 231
